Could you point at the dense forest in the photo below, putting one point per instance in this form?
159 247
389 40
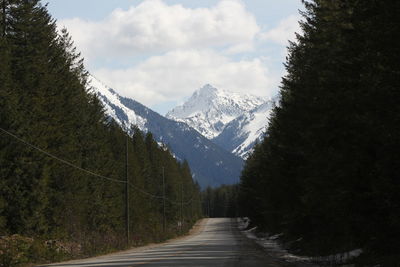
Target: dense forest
221 201
327 172
65 167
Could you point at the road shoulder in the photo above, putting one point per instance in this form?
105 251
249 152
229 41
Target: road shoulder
195 230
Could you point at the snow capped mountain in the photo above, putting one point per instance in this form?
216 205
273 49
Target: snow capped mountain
211 165
114 107
240 135
231 120
209 109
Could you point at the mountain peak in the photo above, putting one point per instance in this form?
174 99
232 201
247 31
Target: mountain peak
207 88
209 109
186 143
207 91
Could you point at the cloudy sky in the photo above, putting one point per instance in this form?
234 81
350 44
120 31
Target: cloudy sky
160 51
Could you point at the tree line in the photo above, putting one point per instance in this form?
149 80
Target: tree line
327 173
45 106
221 201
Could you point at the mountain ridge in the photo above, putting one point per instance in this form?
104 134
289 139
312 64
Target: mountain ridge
209 109
211 165
241 134
233 121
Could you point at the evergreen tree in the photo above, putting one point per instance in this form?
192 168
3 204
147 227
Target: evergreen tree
62 172
326 169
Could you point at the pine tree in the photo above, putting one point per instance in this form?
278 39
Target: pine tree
65 180
326 168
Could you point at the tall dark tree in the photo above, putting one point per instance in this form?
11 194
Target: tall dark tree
326 169
62 171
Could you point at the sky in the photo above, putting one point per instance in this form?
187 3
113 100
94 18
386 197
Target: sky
159 52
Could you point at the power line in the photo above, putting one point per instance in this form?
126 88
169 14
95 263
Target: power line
92 173
144 192
159 197
61 160
179 203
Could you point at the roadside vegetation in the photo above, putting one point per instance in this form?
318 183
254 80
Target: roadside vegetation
63 169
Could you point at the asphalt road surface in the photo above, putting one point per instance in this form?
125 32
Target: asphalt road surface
217 243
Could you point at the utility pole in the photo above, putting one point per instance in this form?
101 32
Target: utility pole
191 211
127 194
181 206
208 208
164 219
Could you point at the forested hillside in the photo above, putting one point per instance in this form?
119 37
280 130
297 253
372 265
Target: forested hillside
327 173
63 164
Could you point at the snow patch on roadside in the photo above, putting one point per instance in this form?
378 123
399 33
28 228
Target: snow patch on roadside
340 258
272 247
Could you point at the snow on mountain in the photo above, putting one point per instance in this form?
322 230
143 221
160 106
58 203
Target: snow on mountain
114 108
211 165
231 120
209 109
240 135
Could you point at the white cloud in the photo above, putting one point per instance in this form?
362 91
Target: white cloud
176 74
180 49
240 48
153 26
284 31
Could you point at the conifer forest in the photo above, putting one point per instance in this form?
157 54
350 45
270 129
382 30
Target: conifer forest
327 173
325 177
64 166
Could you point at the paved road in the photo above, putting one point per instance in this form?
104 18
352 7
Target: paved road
218 243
